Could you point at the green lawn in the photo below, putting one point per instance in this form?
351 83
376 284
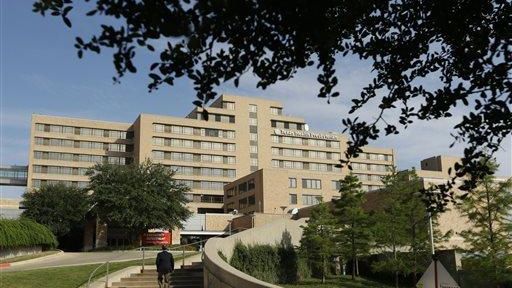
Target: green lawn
62 277
28 257
337 282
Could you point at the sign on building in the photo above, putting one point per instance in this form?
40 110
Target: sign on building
156 237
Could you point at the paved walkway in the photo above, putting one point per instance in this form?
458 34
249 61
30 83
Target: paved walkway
82 258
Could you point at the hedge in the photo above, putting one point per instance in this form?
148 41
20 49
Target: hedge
269 263
24 233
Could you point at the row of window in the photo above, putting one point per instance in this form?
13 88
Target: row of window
217 117
190 157
246 202
59 170
306 199
185 130
204 185
371 167
313 184
201 198
368 177
305 141
305 166
84 131
374 156
286 125
37 183
241 188
305 153
184 143
81 157
83 144
216 172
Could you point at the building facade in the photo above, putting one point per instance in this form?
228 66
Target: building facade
242 135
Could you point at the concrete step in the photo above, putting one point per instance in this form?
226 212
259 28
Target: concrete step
189 276
176 278
152 283
156 286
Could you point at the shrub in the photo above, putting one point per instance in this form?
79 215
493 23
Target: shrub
24 233
269 263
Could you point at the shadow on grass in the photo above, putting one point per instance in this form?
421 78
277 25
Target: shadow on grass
332 282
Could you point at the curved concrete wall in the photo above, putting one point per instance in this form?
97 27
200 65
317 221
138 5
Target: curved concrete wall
218 273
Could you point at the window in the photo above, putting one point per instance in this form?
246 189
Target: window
217 146
251 200
250 184
254 162
335 185
230 134
242 187
275 163
335 144
292 182
276 111
253 121
275 151
253 108
253 137
311 199
293 198
311 183
275 139
158 141
253 149
39 127
228 105
158 155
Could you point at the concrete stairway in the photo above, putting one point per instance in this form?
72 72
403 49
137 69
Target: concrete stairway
188 276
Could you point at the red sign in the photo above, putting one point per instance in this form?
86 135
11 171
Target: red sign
156 238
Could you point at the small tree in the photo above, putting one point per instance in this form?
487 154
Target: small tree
354 229
59 207
317 241
489 241
401 224
138 197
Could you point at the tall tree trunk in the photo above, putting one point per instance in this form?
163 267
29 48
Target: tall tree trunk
395 257
323 269
491 235
353 253
414 253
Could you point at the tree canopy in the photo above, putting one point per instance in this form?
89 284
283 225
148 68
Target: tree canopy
138 197
489 240
354 237
61 208
462 47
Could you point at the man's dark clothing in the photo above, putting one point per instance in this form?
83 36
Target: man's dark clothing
164 264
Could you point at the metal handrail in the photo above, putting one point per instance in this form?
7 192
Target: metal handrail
143 249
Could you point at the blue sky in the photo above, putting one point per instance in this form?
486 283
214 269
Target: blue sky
40 73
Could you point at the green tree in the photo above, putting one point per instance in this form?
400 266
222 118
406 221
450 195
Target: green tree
354 233
489 240
138 197
427 57
318 242
401 226
59 207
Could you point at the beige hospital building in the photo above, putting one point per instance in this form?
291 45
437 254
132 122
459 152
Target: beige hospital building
279 163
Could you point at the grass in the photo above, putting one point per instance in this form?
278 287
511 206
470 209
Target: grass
336 282
28 257
64 277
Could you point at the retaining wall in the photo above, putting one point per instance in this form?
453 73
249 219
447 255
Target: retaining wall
218 273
